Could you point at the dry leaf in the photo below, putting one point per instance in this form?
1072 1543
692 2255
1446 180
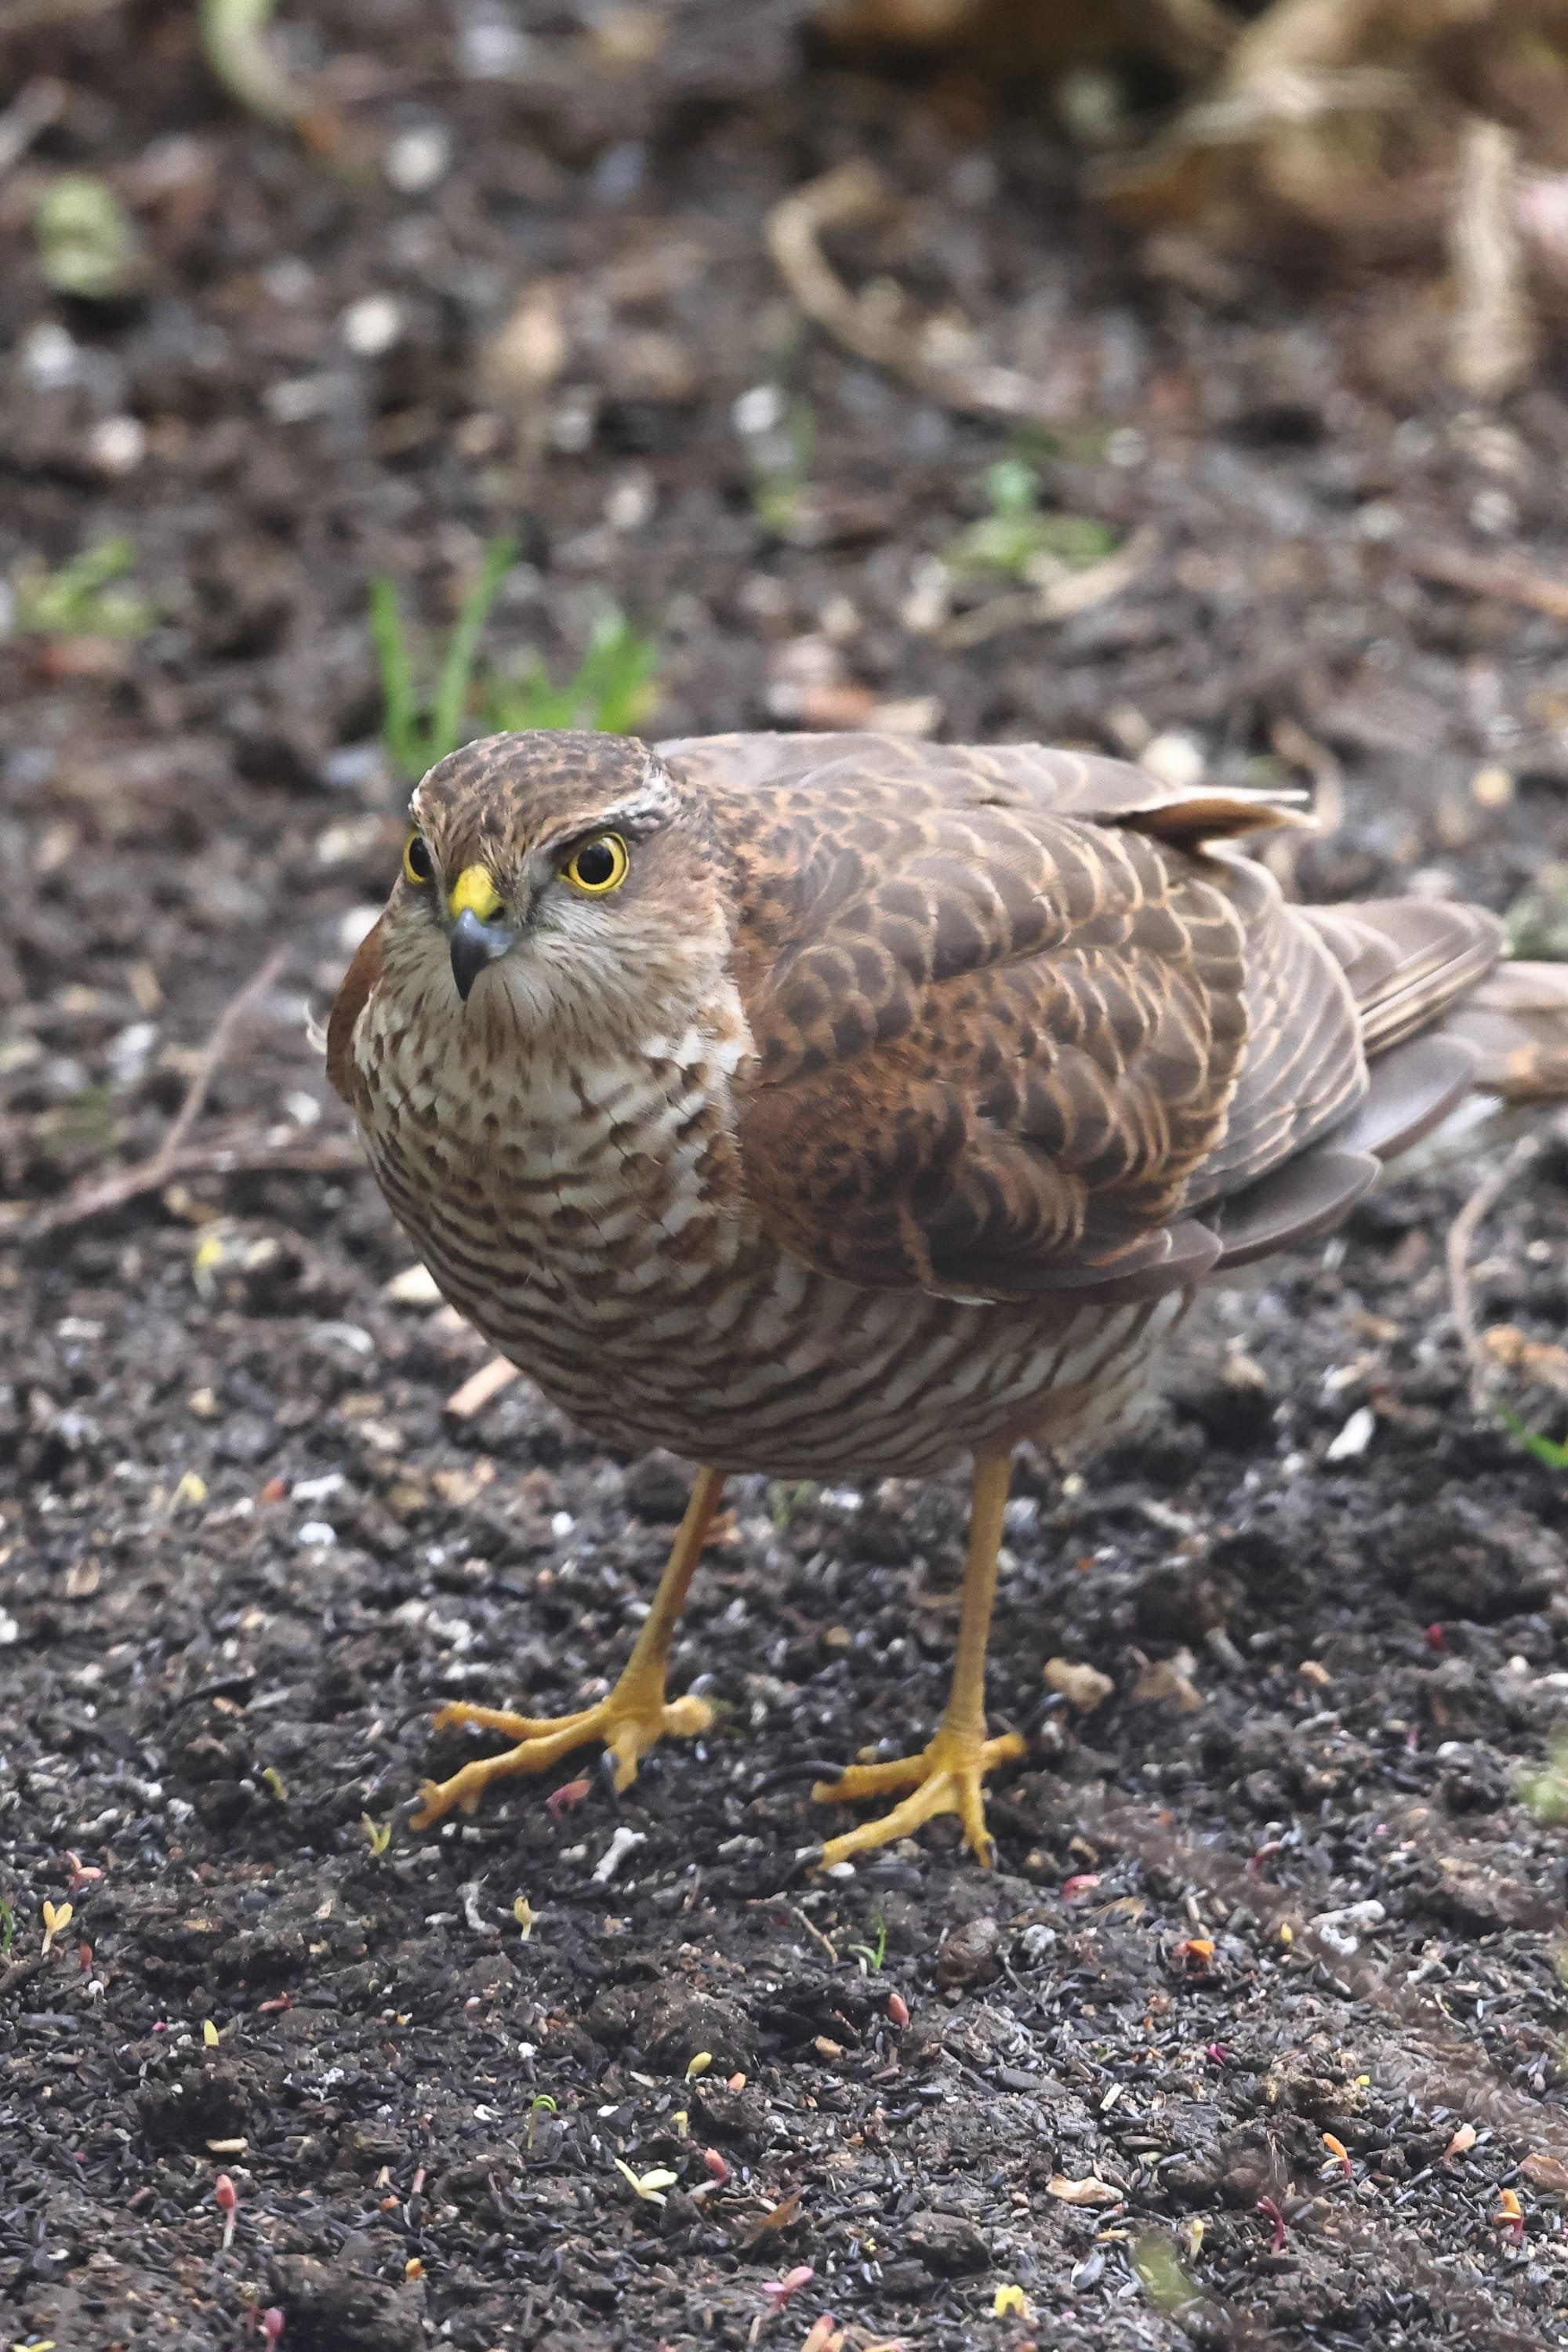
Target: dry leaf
777 2217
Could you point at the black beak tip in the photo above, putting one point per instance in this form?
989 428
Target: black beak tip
472 945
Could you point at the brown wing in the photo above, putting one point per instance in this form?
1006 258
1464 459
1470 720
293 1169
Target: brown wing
353 993
1020 1027
1025 775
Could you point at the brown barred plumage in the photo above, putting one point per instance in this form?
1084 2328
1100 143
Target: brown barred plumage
887 1111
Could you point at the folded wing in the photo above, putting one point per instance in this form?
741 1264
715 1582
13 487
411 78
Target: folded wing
1025 1022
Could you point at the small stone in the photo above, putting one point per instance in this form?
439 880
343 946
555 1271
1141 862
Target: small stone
416 157
1083 1687
759 411
116 444
948 2245
371 325
969 1955
1175 759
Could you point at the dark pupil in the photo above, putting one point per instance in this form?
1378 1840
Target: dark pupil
419 858
596 864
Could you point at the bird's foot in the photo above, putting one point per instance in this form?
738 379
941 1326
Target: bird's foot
629 1721
944 1778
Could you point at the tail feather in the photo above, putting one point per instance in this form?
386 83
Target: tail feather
1515 1024
1406 959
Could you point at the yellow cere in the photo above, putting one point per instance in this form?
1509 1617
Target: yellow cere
474 893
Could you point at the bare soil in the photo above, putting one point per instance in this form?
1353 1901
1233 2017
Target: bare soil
1292 1907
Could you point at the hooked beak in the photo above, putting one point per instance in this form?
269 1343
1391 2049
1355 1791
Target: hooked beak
472 945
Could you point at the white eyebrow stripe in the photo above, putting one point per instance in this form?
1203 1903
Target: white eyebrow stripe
644 809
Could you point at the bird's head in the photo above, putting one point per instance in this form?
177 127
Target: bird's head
564 879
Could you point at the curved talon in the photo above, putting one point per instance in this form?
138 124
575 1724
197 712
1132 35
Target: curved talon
944 1778
629 1722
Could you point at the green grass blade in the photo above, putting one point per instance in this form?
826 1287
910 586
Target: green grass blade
1545 1449
458 670
400 720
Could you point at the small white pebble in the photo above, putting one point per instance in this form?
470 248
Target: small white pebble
561 1524
316 1490
356 926
489 50
630 504
371 325
129 1052
416 157
50 357
288 279
1379 520
297 398
1492 511
316 1533
1175 759
9 1630
761 410
1355 1436
116 444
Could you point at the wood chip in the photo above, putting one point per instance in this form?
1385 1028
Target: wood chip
1088 2191
1169 1678
415 1287
1082 1687
479 1388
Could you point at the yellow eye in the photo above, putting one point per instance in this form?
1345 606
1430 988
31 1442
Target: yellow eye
418 863
600 866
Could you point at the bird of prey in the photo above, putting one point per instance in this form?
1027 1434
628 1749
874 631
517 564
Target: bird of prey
843 1106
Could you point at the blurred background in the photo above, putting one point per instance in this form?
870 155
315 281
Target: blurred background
1180 377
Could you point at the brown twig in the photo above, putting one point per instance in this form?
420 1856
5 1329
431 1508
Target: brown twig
814 1932
38 103
1461 1236
1493 340
20 1970
479 1389
1488 575
213 1052
850 196
176 1156
246 1152
1328 810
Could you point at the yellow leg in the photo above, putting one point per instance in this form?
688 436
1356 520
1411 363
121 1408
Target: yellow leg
945 1777
634 1716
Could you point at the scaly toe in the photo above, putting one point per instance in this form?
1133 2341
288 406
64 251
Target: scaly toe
945 1779
625 1723
499 1718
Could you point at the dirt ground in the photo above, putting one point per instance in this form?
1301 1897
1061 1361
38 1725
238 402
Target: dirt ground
1271 1959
